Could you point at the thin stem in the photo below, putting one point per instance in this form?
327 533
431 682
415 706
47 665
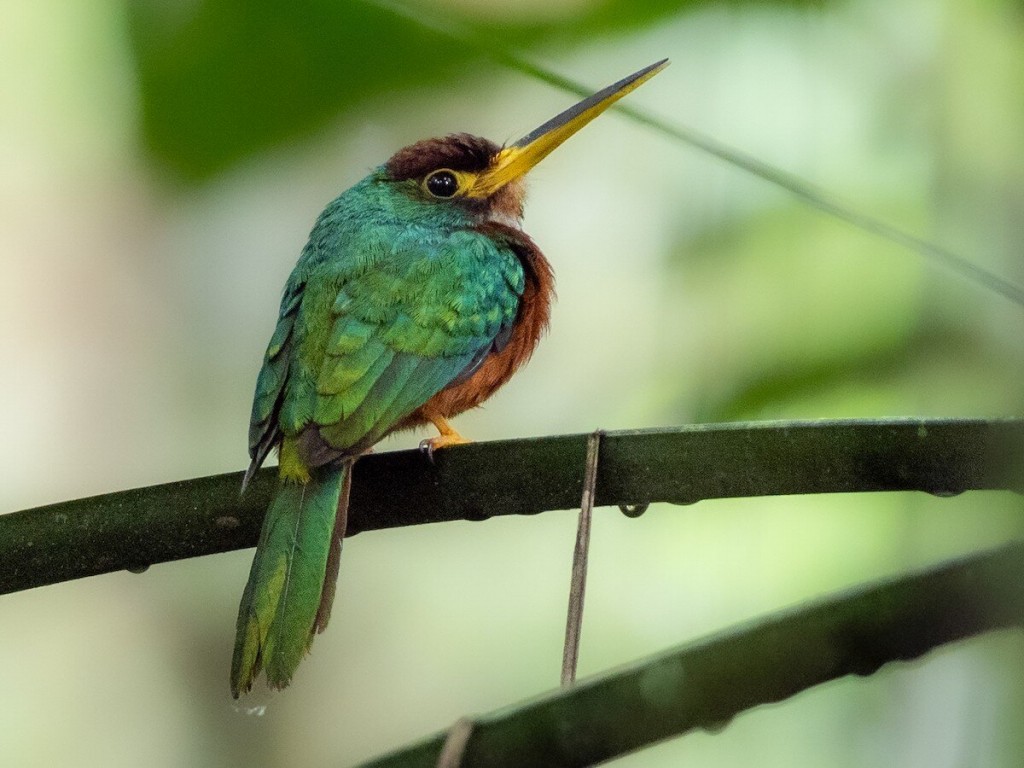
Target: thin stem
455 744
580 557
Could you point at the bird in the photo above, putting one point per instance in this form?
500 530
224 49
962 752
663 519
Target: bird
417 295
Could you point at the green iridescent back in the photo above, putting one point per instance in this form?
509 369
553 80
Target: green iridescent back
392 299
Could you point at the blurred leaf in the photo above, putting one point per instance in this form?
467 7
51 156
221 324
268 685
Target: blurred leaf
227 80
223 79
768 390
615 17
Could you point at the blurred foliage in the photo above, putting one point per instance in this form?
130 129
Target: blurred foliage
228 80
223 79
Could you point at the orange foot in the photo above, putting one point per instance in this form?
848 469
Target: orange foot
447 437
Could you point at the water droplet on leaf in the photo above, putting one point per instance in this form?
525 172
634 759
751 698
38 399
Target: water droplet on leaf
633 510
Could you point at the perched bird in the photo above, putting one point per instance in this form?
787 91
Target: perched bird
416 297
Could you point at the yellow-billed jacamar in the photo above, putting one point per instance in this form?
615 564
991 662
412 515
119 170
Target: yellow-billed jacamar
416 297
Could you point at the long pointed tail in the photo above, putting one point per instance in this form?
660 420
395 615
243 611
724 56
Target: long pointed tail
291 584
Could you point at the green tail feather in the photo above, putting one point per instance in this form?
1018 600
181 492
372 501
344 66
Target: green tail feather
286 600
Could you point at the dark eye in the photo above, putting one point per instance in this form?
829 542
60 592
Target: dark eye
442 184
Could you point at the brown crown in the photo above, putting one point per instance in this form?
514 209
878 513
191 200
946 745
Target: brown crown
459 152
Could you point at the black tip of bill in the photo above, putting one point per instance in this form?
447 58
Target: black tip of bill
515 160
603 99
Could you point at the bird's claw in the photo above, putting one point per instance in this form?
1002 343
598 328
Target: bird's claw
427 448
429 445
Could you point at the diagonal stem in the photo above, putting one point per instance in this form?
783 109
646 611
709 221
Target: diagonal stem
455 744
578 587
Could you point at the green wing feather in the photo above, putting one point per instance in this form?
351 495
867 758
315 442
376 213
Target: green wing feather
264 431
373 343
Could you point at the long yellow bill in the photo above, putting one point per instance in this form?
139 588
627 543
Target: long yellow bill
515 160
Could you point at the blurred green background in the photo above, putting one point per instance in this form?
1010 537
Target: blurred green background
160 166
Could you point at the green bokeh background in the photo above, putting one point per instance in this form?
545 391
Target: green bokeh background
160 166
